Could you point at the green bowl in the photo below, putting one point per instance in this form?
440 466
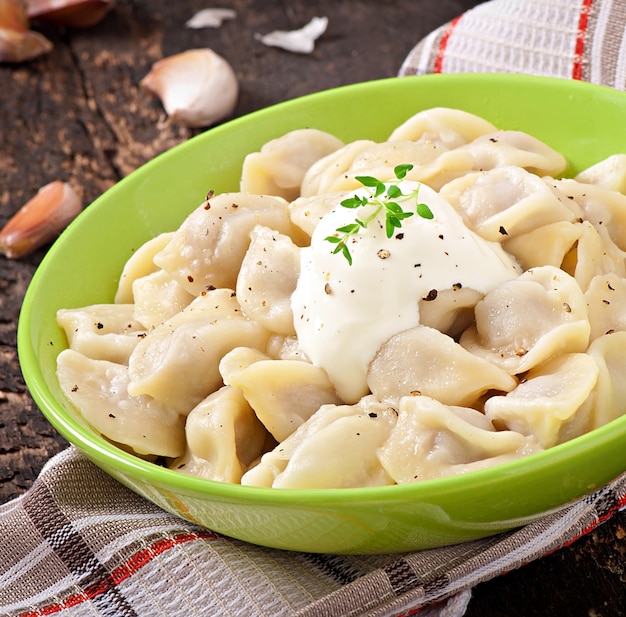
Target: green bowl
585 122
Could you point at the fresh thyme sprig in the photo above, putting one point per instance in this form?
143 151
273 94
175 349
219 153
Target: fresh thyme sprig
382 196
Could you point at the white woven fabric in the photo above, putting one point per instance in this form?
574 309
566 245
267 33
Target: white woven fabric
573 39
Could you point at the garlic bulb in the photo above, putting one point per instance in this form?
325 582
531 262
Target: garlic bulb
73 13
40 220
17 42
197 87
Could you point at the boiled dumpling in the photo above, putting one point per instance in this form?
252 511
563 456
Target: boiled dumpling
306 212
267 278
278 169
609 396
610 173
99 390
335 448
328 174
158 297
424 361
545 246
503 148
283 393
595 254
443 126
606 301
505 202
451 311
433 440
177 362
526 321
102 331
223 437
549 404
206 250
140 264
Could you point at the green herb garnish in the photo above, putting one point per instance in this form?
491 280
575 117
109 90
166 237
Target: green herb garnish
383 196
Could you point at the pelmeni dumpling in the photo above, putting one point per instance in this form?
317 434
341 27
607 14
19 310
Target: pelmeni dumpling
443 126
603 208
102 331
267 278
504 148
432 164
140 264
206 250
335 448
606 301
609 396
505 202
526 321
99 390
433 440
223 437
545 246
327 174
283 393
424 361
610 173
306 212
595 254
549 404
451 311
177 362
278 169
158 297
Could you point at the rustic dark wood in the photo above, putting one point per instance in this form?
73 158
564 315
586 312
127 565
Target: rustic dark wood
77 114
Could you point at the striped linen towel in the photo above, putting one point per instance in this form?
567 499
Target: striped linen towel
80 544
573 39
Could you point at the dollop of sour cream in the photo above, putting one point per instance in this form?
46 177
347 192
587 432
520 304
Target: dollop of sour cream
343 313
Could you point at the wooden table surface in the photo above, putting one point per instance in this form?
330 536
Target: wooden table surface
78 115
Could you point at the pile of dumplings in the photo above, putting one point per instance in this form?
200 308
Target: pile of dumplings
196 364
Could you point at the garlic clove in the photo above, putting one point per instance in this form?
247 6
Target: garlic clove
301 41
17 42
197 87
13 15
72 13
40 220
210 18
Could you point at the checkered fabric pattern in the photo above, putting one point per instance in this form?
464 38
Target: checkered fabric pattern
80 544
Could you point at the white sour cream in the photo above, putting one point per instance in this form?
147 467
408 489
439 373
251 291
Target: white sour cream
343 313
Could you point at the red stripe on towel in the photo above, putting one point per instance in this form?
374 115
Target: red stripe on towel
133 564
443 43
583 21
